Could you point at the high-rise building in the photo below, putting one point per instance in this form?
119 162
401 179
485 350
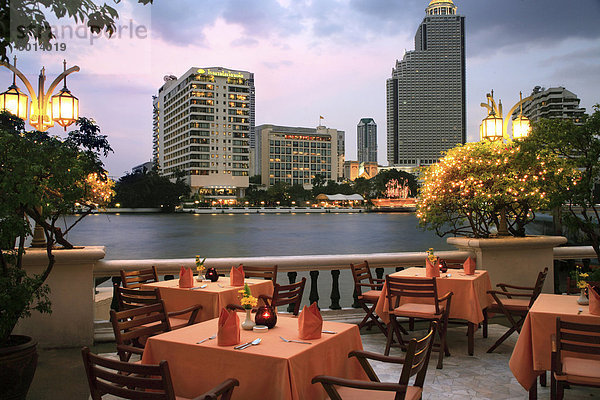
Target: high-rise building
426 97
203 121
556 102
366 135
295 155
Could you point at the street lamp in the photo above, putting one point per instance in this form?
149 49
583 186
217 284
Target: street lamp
495 128
62 108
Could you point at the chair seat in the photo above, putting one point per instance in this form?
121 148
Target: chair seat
177 323
371 296
517 304
346 393
580 371
417 310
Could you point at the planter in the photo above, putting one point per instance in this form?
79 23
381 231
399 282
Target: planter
17 367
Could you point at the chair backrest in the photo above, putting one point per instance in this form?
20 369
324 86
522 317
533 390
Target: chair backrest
134 298
133 326
261 272
135 279
417 358
454 263
361 274
577 338
398 287
288 294
539 285
127 380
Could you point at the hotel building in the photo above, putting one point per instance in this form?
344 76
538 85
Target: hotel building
203 122
366 132
426 111
295 155
556 102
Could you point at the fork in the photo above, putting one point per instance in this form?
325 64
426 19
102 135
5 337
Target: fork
208 338
294 341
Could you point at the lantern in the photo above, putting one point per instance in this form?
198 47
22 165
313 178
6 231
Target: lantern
212 274
266 316
65 107
491 127
521 127
14 101
44 122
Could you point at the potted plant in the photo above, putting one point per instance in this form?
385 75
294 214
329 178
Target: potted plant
41 179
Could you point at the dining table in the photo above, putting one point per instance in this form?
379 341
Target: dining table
273 369
213 296
532 354
469 296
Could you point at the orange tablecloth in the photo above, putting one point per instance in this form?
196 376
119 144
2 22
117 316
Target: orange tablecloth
213 297
271 370
533 352
469 299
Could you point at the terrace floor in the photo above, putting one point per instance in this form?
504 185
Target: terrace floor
60 373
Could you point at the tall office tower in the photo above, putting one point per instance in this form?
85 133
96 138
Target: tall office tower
341 153
203 121
295 155
426 112
556 102
366 132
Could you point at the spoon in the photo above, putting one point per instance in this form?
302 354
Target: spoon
252 343
293 341
208 338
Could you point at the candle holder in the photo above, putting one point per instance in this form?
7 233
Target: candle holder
266 316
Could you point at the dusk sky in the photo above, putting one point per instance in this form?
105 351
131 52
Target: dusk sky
312 58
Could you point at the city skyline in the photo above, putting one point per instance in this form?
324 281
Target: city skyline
334 68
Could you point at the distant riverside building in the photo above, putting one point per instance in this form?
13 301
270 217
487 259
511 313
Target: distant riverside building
355 169
142 168
295 155
366 132
203 122
556 102
426 96
341 154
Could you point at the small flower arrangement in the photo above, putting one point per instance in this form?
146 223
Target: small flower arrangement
200 265
247 301
581 278
432 257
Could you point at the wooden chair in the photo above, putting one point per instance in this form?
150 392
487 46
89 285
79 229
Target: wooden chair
285 294
575 339
139 381
433 308
132 327
135 279
367 300
513 304
261 272
134 298
414 363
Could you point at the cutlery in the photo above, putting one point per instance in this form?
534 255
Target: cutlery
219 285
294 341
199 287
246 345
208 338
330 332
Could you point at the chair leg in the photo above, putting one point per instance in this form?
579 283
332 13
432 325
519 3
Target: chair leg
543 381
552 386
560 390
502 339
390 334
411 324
485 323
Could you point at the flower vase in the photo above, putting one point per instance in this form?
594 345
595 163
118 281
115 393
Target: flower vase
248 324
199 278
583 299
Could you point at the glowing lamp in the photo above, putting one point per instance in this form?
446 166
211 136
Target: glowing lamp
492 129
43 122
14 101
65 108
521 127
266 316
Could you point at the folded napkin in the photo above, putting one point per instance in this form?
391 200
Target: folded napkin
469 266
310 322
236 276
186 277
228 331
594 295
431 270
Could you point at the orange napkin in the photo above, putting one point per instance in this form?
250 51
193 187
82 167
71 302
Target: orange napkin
469 266
236 276
228 331
310 322
186 277
594 300
431 270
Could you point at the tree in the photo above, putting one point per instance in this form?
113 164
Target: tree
22 21
382 178
467 190
579 145
149 189
42 178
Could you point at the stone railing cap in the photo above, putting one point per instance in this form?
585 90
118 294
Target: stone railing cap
508 242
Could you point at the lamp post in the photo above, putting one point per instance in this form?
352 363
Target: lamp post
495 128
45 110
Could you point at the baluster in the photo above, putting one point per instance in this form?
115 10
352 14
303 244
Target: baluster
335 290
379 272
355 296
292 279
314 291
114 304
399 269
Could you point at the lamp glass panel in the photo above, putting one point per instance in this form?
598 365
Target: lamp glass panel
521 127
492 128
65 108
15 102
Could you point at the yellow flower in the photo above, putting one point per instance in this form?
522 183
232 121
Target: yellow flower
581 284
584 275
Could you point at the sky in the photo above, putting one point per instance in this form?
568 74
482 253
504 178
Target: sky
310 58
